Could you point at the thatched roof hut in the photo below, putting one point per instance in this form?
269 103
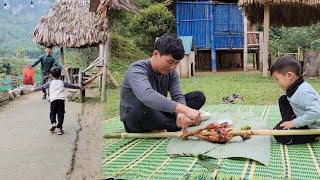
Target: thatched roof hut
283 12
69 23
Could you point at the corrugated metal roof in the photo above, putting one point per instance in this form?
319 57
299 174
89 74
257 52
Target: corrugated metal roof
187 42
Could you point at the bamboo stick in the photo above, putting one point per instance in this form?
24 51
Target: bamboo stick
125 135
277 132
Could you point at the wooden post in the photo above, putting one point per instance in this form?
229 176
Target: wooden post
299 57
80 81
260 50
104 74
253 61
212 40
245 46
101 54
63 73
62 55
266 26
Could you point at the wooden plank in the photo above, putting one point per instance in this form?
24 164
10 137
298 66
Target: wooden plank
90 80
93 64
114 82
253 32
253 44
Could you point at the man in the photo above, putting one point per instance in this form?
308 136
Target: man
144 106
47 62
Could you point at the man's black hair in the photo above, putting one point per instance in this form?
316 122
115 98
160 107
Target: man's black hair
286 64
170 44
55 71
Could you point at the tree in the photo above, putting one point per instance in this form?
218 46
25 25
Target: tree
152 22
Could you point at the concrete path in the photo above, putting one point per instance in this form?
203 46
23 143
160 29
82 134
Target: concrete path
27 149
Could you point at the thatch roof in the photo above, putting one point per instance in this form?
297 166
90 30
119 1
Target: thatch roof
283 12
70 24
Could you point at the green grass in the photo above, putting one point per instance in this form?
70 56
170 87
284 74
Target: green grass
257 90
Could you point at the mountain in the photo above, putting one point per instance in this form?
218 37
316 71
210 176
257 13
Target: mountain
17 22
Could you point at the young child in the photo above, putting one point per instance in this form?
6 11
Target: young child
300 107
56 89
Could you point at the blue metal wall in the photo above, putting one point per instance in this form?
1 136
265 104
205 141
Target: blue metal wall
193 19
228 26
213 26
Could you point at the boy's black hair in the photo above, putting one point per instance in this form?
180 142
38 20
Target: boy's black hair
55 71
170 44
49 46
286 64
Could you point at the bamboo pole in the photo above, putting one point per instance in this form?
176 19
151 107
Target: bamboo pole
276 132
125 135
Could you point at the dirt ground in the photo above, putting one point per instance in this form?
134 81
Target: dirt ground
29 151
87 159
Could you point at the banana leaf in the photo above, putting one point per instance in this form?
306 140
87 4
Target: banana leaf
257 148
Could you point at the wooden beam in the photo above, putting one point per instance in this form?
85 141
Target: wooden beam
93 64
114 82
245 46
91 79
266 27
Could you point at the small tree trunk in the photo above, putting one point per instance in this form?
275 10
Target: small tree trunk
311 63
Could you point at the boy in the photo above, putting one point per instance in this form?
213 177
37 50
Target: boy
300 107
56 89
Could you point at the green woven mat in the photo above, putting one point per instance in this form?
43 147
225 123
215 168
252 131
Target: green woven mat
147 158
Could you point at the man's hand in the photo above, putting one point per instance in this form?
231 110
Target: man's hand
190 113
182 121
287 125
194 115
32 89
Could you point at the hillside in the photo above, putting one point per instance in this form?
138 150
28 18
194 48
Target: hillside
17 24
